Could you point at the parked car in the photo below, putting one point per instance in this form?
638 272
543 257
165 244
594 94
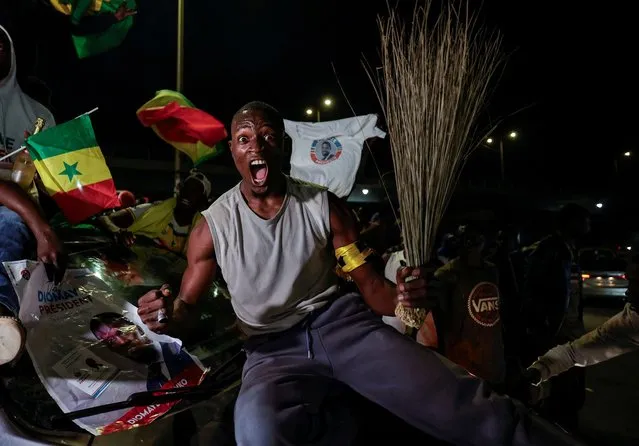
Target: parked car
603 274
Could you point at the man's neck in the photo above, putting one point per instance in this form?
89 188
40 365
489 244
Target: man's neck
266 205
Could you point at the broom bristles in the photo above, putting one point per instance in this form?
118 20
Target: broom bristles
436 82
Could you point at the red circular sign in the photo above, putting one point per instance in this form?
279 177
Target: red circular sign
483 304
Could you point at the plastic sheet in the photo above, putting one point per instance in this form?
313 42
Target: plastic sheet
89 347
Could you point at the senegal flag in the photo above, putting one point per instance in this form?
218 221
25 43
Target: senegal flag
73 170
96 37
190 130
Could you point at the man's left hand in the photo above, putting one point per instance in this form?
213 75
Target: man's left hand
413 293
51 253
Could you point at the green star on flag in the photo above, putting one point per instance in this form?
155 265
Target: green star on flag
70 170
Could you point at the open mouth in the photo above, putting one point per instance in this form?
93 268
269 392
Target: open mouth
259 171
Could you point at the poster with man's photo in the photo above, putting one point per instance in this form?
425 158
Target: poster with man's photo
90 348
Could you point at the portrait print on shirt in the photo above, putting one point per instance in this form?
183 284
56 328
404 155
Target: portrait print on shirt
324 151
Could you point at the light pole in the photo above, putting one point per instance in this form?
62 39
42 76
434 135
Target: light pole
327 103
511 135
179 80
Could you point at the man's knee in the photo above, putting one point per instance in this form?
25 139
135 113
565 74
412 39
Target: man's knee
15 237
11 223
256 421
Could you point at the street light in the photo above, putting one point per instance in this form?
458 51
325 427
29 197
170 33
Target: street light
365 191
599 205
512 135
326 103
619 158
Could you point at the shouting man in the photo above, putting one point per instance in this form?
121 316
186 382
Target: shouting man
274 239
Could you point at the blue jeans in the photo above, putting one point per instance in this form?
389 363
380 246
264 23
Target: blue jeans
289 376
15 242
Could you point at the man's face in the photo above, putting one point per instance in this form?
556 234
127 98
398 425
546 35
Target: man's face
256 142
326 149
191 197
5 55
124 337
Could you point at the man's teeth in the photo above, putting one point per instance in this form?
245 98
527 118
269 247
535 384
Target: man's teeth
257 162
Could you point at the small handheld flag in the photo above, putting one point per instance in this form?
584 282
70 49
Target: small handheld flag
73 169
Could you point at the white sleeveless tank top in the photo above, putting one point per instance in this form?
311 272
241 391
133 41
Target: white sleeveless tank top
277 270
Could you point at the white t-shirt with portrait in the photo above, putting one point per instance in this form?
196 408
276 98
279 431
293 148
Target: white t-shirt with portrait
328 153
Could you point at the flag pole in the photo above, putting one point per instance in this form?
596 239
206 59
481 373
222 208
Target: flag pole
180 76
21 148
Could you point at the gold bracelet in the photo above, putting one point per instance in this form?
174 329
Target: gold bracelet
350 257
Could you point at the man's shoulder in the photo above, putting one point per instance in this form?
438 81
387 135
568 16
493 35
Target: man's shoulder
305 186
224 203
540 245
42 112
306 192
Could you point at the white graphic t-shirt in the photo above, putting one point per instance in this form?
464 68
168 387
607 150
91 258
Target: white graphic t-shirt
329 153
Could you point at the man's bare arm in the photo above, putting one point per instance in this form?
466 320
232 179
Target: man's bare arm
200 273
196 282
380 294
617 336
19 202
122 219
49 247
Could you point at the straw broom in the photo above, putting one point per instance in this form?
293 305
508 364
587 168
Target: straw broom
436 81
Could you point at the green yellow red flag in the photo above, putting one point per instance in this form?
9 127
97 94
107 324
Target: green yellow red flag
190 130
100 40
73 169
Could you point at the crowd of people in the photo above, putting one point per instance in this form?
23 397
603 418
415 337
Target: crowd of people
314 286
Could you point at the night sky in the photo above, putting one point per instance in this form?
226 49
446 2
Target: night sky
572 66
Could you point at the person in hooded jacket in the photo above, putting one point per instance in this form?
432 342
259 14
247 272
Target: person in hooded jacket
18 111
21 223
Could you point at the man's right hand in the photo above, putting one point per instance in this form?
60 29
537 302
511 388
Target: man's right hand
165 314
154 302
125 238
51 253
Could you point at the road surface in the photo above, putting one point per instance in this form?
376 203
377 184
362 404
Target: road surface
610 416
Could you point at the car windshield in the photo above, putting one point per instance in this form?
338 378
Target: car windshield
601 260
